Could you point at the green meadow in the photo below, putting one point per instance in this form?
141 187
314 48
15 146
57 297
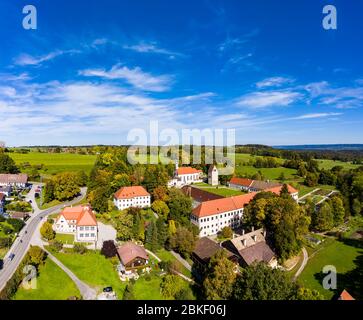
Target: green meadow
56 162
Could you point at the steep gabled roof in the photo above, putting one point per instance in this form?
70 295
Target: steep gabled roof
131 192
82 214
345 295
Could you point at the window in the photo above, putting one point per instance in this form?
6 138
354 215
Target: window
81 235
81 228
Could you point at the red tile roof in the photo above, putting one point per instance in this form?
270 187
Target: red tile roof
241 181
187 170
209 208
82 214
345 296
131 192
277 189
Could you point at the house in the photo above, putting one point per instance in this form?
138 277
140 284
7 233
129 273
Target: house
80 221
250 185
212 216
132 257
15 180
6 190
206 248
345 295
2 203
185 176
213 175
252 247
19 215
135 196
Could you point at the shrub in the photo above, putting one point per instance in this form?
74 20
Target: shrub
109 249
56 245
80 248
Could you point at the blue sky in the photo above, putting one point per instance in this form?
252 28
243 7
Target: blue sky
94 70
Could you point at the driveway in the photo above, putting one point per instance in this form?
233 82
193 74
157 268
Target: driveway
105 232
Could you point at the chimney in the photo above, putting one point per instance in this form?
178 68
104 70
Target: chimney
253 229
243 232
254 237
244 241
264 233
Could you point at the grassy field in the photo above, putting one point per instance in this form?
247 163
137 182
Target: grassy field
329 164
94 269
221 190
52 284
56 162
148 290
65 238
167 256
330 252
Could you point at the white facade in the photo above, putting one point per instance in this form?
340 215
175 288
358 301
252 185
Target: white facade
86 233
213 224
213 176
81 233
137 202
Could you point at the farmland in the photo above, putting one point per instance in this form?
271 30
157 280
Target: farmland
55 162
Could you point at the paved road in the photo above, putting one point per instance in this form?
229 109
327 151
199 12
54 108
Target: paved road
303 264
21 244
86 291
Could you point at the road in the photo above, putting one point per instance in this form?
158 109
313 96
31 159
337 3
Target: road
303 264
22 242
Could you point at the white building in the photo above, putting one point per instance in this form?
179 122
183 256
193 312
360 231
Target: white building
80 221
185 176
212 216
135 196
213 175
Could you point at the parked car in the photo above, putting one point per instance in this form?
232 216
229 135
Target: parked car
107 289
11 256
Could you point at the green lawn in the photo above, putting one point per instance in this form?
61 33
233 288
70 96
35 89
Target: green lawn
148 290
56 162
65 238
330 252
221 190
94 269
52 284
166 255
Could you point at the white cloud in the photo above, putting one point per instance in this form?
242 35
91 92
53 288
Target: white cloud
136 77
151 47
318 115
274 82
268 99
28 60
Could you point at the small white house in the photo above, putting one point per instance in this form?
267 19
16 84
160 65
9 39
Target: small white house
185 176
80 221
135 196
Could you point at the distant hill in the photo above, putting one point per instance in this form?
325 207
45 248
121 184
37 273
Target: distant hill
333 147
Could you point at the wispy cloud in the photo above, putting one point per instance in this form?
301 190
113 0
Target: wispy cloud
318 115
29 60
258 100
274 82
136 77
151 47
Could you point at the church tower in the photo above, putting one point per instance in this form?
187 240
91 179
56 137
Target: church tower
213 175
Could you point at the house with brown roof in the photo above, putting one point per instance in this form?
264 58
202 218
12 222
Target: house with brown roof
250 185
252 247
135 196
19 215
14 180
80 221
132 257
205 248
212 216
